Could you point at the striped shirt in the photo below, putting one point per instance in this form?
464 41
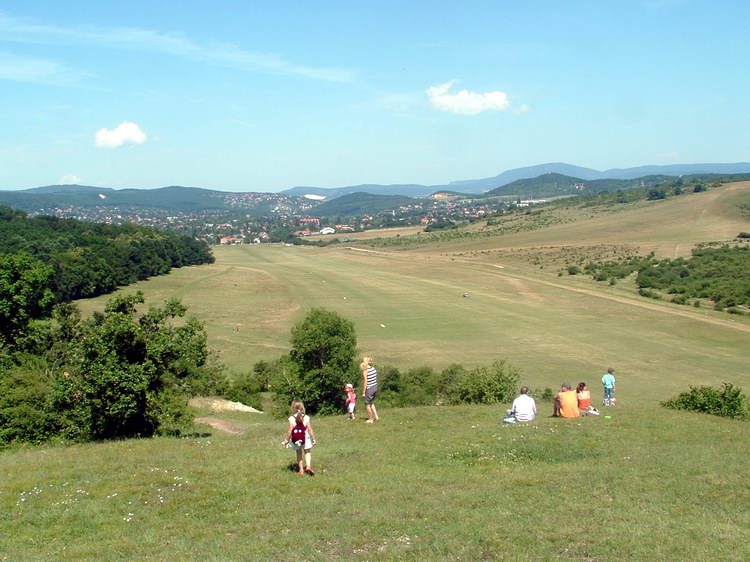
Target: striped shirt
372 376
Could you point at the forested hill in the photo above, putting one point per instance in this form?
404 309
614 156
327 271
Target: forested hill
554 184
358 204
89 259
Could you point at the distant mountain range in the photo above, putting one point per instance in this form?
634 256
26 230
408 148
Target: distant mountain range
533 181
484 185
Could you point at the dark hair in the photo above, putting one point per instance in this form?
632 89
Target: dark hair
581 386
524 390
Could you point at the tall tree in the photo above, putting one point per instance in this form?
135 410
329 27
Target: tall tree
24 294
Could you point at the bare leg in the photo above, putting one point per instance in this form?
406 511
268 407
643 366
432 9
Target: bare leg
374 412
300 462
308 460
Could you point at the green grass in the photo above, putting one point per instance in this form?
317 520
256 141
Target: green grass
440 483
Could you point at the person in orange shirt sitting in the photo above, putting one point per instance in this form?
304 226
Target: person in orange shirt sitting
584 401
584 397
566 403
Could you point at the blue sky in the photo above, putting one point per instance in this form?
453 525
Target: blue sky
264 96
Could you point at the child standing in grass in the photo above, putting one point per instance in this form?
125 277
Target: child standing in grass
351 400
608 381
301 437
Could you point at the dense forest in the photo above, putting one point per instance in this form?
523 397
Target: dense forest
90 259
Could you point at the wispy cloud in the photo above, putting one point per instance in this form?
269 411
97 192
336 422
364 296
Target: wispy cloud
125 133
69 179
668 156
464 101
38 70
26 31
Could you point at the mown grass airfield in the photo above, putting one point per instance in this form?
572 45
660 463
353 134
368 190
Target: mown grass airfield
638 482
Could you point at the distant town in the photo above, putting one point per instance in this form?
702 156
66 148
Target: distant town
288 217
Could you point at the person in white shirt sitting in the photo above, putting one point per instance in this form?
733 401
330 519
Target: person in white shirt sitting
523 408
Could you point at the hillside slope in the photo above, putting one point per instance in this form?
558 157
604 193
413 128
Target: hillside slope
669 227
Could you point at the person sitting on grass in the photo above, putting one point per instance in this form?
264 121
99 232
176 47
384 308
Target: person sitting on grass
523 408
566 403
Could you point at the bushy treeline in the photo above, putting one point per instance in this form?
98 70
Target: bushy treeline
719 274
117 374
124 373
728 401
90 259
323 359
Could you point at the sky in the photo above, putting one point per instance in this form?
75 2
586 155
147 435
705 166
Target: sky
263 96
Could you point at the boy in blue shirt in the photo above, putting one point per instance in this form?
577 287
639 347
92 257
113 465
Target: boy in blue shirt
608 381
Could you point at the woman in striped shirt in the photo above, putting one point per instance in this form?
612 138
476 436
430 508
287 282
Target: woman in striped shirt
370 385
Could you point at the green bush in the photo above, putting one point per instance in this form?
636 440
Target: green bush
488 385
25 415
246 388
649 293
728 401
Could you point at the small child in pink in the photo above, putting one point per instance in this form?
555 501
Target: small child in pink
351 400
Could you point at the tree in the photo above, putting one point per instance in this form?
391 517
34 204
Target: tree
322 360
24 294
654 194
123 376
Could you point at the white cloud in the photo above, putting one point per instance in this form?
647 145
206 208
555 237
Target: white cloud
466 102
69 179
125 133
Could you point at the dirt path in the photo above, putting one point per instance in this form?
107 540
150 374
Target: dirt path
220 425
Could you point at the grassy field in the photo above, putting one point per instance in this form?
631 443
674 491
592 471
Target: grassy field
439 483
409 310
443 483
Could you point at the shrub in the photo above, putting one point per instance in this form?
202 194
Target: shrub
728 401
649 293
246 388
654 194
488 385
25 415
418 387
547 395
680 299
574 270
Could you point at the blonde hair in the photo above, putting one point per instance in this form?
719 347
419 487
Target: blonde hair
298 410
366 362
